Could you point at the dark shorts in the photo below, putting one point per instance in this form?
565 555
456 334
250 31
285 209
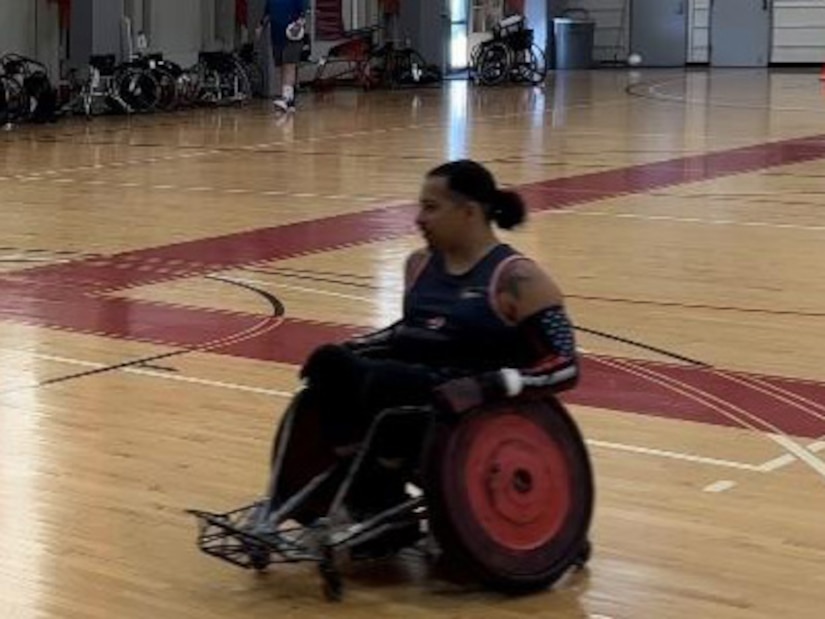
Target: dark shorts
287 52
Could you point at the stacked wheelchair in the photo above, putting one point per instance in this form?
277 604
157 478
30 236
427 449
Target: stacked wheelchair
505 494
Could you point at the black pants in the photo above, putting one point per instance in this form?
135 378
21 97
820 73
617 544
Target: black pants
350 390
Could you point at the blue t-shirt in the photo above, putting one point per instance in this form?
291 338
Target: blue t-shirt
281 13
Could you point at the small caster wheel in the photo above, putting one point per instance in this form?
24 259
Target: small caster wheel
584 555
332 586
259 559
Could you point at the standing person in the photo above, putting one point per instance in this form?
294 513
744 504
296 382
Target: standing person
286 19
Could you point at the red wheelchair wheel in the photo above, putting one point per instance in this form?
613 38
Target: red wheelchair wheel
510 493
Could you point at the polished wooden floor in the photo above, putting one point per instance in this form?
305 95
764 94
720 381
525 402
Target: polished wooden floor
682 213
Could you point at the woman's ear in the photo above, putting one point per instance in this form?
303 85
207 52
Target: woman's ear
472 208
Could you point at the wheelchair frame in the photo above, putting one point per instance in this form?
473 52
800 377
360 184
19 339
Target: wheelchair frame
510 53
262 533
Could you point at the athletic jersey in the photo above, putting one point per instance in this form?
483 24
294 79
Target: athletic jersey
450 321
282 13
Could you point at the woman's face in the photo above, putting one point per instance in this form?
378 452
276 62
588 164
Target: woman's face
442 218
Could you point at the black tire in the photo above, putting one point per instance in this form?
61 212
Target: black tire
531 66
493 64
255 76
475 55
137 88
510 493
168 94
14 102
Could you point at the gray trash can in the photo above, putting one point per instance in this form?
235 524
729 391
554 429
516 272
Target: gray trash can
574 42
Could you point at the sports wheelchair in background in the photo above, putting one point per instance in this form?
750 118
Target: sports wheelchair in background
359 61
504 493
509 54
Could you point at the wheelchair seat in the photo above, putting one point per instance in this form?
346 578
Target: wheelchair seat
506 494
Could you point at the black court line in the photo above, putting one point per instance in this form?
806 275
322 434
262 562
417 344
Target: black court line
112 368
277 310
308 275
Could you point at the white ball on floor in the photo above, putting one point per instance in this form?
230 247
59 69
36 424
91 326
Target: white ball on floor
634 60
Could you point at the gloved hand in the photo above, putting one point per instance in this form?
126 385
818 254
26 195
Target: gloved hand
374 345
462 394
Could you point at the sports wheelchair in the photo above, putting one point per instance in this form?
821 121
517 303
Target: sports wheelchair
505 495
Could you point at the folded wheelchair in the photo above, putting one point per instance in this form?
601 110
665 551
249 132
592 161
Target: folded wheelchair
504 492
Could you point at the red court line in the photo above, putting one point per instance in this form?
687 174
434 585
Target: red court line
145 266
67 296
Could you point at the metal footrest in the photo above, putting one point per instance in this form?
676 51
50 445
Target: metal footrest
237 538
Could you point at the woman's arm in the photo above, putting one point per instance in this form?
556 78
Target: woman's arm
522 289
527 297
524 296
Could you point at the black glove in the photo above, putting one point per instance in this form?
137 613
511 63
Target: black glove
376 344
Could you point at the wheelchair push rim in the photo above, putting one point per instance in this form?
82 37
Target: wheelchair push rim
511 494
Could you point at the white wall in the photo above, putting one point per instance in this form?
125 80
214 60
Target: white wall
798 31
17 27
699 31
798 34
612 27
30 28
176 29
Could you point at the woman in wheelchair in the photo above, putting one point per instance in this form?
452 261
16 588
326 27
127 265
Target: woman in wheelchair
472 306
456 397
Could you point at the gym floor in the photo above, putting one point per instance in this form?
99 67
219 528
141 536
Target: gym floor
163 276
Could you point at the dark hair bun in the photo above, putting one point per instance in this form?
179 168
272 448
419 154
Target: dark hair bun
509 210
475 182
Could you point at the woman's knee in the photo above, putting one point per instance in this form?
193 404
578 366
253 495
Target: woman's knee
330 364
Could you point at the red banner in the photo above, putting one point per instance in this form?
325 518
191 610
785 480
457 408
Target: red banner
64 8
242 12
329 20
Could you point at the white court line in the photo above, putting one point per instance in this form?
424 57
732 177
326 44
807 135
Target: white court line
673 455
800 452
768 467
687 220
654 89
636 449
719 486
790 458
156 374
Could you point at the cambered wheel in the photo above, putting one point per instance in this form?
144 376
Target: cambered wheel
510 493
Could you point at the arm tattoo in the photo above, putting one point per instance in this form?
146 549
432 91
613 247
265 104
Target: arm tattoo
514 279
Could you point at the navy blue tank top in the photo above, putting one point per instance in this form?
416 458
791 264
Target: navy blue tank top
449 320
